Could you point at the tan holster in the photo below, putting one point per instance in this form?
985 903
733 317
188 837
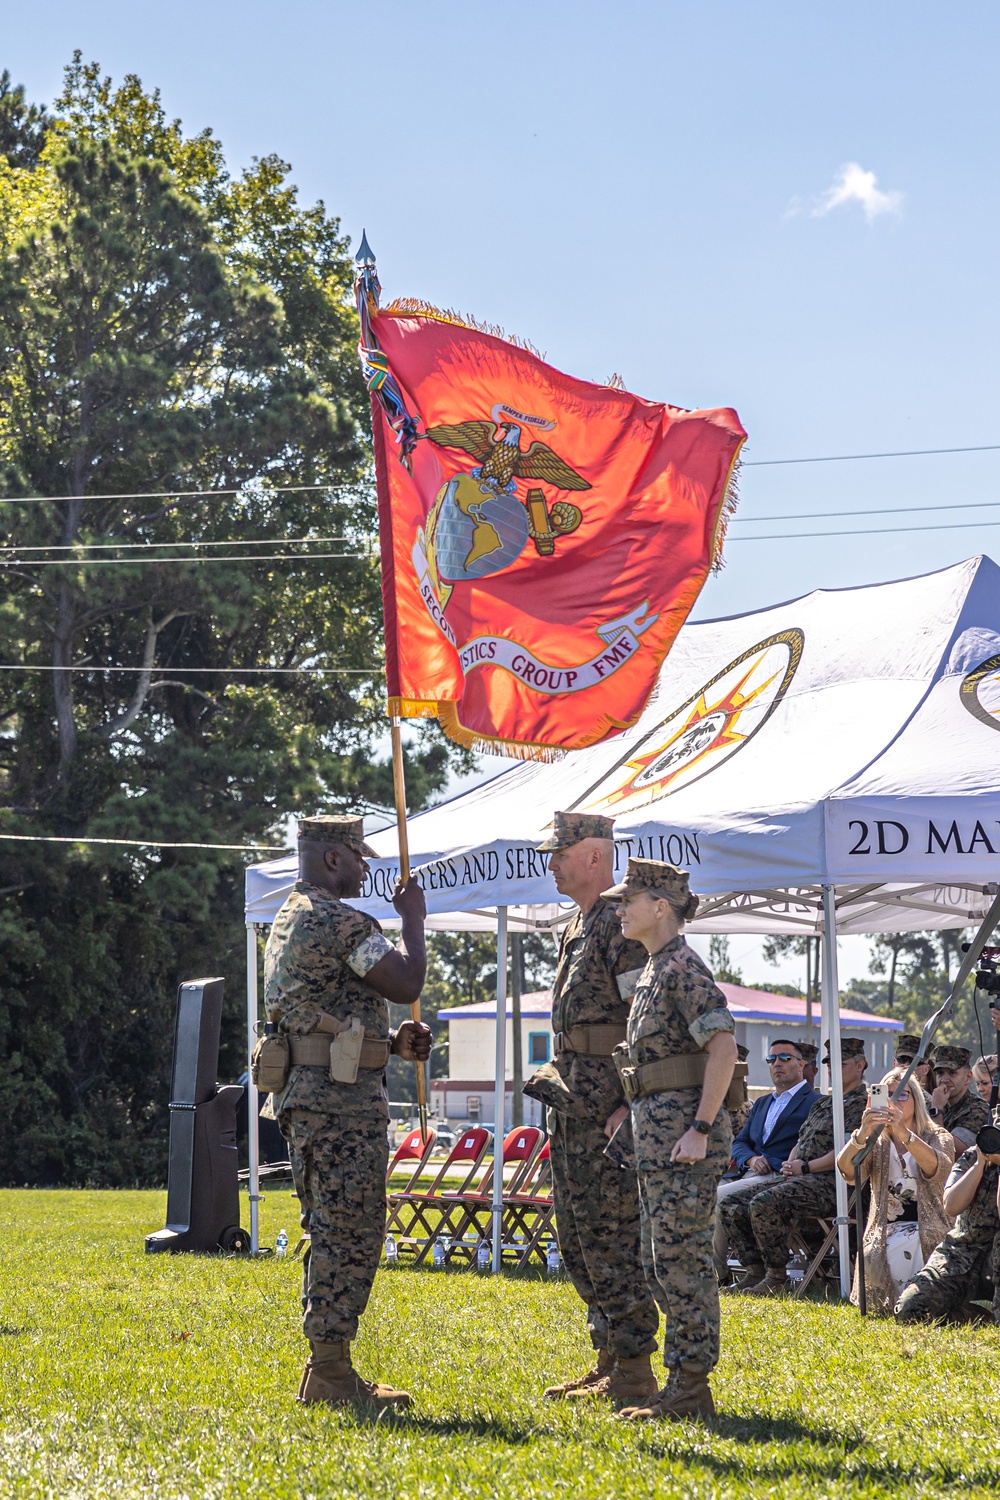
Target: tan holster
592 1041
684 1072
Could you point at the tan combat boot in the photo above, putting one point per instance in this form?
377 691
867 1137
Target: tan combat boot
632 1382
686 1394
584 1385
775 1284
329 1376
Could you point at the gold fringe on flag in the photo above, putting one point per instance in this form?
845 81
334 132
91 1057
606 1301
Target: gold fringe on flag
416 307
730 500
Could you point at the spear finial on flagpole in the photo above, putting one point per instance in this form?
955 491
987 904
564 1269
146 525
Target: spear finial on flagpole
365 255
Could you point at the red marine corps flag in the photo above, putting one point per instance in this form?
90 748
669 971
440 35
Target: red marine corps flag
543 539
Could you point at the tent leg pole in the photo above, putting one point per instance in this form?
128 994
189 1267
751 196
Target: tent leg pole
831 1029
253 1124
499 1088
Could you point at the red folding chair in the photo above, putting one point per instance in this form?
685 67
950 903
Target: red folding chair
467 1217
414 1209
529 1213
410 1158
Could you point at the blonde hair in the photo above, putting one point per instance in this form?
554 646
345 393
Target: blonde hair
922 1121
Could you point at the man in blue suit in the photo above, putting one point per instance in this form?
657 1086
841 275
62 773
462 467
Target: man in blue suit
771 1130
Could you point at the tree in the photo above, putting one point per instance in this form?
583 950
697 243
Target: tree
720 962
165 330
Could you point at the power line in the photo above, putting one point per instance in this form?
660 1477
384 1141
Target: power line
894 510
214 671
146 562
807 536
271 489
46 838
844 458
236 541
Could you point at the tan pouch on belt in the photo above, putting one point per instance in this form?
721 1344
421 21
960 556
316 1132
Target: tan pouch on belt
345 1052
269 1063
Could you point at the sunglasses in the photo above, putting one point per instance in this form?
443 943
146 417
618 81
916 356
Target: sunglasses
901 1057
773 1057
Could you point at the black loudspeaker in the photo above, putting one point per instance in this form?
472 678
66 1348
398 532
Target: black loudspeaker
203 1198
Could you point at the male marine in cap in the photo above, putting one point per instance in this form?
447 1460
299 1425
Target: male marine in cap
908 1048
757 1221
596 1200
328 972
954 1102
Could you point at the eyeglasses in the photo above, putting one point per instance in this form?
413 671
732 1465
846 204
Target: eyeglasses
904 1094
774 1057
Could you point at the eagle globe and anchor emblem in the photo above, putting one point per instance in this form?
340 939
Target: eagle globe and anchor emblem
478 526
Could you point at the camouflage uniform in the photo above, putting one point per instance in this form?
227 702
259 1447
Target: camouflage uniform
677 1009
757 1217
596 1201
955 1271
318 953
967 1114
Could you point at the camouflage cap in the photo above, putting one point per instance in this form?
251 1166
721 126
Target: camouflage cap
568 828
809 1051
742 1052
330 830
951 1057
850 1046
654 876
907 1045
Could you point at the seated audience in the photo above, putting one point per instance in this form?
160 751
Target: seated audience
907 1168
954 1103
965 1267
907 1048
983 1073
756 1219
769 1133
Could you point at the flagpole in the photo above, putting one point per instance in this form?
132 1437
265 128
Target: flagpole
399 788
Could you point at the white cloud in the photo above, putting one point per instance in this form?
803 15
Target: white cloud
854 185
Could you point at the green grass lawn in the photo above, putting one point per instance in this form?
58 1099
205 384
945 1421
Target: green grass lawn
122 1374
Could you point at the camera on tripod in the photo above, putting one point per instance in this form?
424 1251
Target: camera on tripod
987 974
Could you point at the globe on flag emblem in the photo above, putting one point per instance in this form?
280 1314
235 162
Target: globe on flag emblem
480 530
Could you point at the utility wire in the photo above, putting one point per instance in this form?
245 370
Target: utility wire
285 489
236 541
894 510
46 838
844 458
145 562
214 671
808 536
270 489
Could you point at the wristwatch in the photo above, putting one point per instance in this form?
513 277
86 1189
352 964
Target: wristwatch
703 1127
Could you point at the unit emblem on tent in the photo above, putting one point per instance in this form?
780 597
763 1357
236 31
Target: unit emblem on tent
705 730
980 692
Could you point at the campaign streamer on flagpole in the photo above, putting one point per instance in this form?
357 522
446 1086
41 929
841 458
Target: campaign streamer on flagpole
543 539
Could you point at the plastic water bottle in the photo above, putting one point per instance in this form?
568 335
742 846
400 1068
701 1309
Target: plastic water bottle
552 1262
391 1250
438 1255
281 1245
484 1257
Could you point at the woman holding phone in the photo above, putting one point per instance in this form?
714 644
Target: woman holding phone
907 1170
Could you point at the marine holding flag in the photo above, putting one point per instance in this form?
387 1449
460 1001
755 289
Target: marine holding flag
543 539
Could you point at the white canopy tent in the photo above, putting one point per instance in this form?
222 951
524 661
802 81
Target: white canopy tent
830 765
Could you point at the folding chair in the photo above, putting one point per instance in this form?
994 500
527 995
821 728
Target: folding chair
467 1217
530 1211
412 1158
815 1258
467 1156
409 1158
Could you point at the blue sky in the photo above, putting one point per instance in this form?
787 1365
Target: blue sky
649 188
638 188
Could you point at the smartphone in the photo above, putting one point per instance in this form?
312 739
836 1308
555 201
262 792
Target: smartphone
878 1096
